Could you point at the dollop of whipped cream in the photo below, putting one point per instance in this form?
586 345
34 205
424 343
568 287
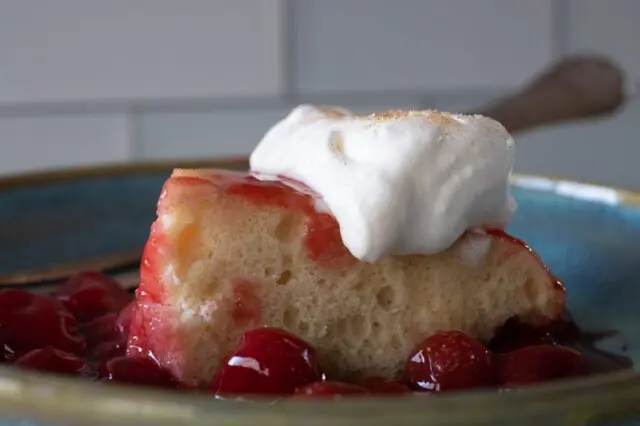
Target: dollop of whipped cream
400 182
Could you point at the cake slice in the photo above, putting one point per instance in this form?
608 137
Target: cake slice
229 253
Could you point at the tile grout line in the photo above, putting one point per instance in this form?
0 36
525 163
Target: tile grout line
232 104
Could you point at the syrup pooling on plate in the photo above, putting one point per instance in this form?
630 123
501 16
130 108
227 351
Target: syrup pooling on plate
274 362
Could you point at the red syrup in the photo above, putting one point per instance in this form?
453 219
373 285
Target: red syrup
564 332
322 240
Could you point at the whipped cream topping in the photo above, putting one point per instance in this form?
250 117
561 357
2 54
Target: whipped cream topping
400 182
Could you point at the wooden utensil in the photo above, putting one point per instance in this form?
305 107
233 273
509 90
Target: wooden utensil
572 89
575 88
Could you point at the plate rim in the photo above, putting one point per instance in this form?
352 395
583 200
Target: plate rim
545 182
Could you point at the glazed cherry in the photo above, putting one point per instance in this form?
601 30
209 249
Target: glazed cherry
124 318
108 350
137 370
267 361
89 295
4 355
100 329
30 321
329 389
52 360
539 363
447 361
379 385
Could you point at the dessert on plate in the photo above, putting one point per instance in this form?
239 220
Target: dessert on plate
360 255
351 240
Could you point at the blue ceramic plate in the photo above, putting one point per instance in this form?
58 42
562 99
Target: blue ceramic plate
588 235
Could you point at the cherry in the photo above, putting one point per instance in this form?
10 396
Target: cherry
53 360
447 361
380 385
100 329
4 355
267 361
329 389
30 321
124 318
106 351
107 331
89 295
539 363
138 370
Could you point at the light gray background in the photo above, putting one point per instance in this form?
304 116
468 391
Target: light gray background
93 81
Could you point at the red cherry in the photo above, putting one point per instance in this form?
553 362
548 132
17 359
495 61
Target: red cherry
381 385
124 318
447 361
52 360
30 321
138 370
100 329
107 350
4 355
539 363
267 361
89 295
329 389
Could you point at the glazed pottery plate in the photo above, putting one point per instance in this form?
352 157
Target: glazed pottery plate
588 235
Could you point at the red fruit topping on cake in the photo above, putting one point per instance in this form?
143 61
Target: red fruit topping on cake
91 294
329 389
323 243
534 364
31 321
380 385
52 360
137 370
448 361
267 361
229 253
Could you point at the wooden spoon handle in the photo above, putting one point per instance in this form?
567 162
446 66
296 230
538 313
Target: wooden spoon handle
574 88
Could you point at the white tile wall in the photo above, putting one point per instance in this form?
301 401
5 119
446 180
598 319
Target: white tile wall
57 140
610 26
71 69
100 50
380 45
195 134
